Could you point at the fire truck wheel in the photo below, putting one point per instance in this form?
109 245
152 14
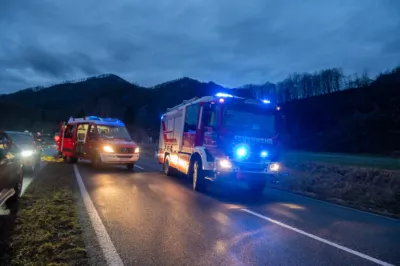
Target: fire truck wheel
130 166
199 182
256 187
168 170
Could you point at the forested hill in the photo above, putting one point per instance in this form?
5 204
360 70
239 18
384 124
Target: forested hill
325 110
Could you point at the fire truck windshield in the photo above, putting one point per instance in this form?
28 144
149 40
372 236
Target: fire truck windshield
113 132
243 119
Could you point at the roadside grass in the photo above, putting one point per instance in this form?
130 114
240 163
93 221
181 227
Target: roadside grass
385 163
46 229
369 189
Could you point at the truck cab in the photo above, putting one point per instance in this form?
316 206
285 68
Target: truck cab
222 137
100 140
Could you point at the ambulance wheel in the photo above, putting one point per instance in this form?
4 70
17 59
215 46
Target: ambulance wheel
168 170
199 181
130 166
256 187
72 160
97 163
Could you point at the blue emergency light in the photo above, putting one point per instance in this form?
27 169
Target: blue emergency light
241 151
264 154
225 95
266 101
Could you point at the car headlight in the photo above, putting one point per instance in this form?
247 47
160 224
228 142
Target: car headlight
108 149
274 167
26 153
224 163
136 150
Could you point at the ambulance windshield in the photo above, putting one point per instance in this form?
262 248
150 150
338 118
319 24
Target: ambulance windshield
113 132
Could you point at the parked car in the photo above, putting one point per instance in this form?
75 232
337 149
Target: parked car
11 170
31 151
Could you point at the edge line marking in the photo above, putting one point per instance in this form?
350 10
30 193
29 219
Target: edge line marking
110 253
137 166
320 239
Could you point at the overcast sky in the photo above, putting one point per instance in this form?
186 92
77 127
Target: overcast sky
232 42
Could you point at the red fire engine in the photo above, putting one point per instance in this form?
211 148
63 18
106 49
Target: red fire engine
221 137
101 140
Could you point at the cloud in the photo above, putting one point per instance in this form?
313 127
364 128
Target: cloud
229 42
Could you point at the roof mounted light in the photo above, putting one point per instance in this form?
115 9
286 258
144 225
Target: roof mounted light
266 101
225 95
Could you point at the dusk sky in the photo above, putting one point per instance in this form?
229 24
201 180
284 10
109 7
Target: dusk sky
227 41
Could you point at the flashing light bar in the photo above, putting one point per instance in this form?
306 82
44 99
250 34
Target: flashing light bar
225 95
266 101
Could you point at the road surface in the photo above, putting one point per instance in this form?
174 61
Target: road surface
152 219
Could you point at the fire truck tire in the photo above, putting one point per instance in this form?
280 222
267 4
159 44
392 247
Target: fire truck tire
130 166
168 170
199 181
256 187
72 160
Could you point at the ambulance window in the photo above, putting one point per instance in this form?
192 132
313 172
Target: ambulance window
81 134
92 132
69 131
191 117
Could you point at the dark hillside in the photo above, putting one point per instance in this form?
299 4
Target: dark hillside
363 120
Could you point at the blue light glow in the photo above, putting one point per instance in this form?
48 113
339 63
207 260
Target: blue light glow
241 152
264 154
220 94
162 117
266 101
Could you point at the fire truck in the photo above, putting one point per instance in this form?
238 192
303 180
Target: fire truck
222 137
100 140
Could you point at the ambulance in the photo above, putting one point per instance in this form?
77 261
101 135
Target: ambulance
100 140
222 138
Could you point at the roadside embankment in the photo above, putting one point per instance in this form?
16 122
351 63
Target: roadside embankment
46 230
369 189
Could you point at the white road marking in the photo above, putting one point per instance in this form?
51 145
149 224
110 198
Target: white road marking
336 205
110 253
359 254
137 166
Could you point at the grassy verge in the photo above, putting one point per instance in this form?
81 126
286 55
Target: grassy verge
46 230
385 163
370 189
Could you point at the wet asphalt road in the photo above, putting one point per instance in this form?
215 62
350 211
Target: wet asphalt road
157 220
